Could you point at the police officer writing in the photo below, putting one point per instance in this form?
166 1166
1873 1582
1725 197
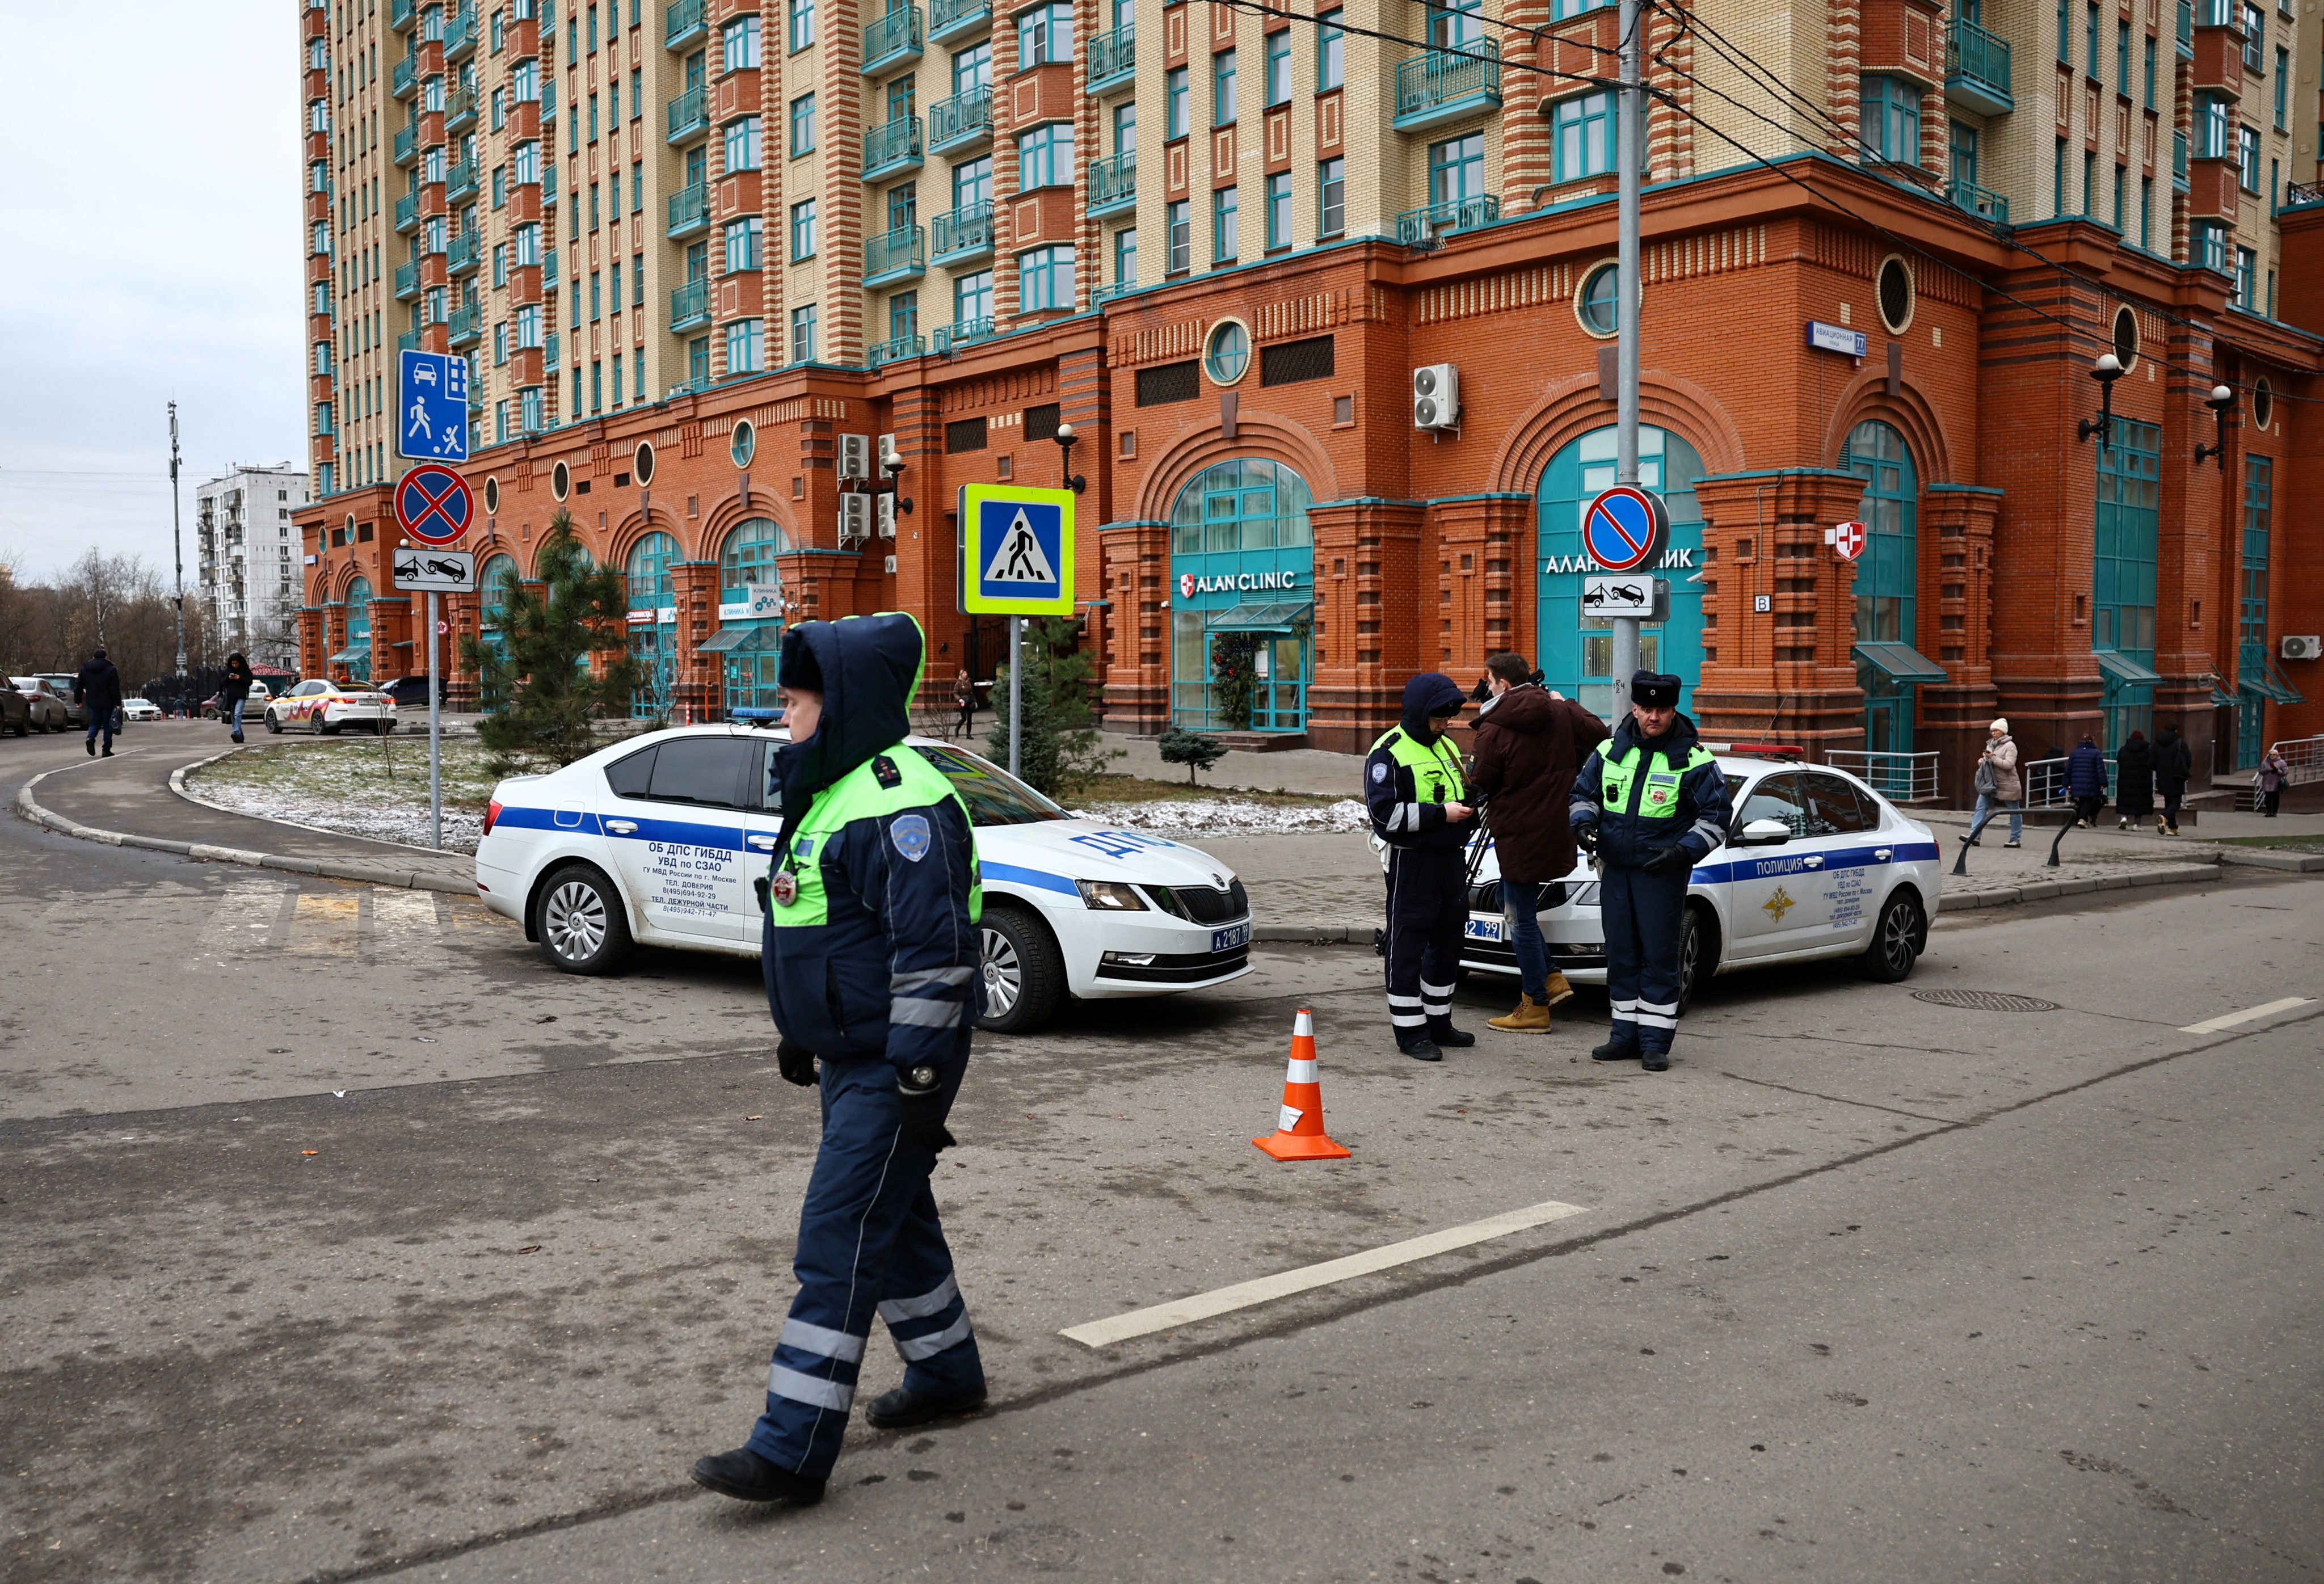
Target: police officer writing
1649 805
1413 787
871 960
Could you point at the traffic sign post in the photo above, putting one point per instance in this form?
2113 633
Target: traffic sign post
1017 560
433 505
1625 529
433 571
431 407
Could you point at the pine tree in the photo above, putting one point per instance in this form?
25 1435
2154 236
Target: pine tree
535 682
1059 750
1197 750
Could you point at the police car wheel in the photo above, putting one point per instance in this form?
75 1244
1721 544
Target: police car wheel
1694 946
1897 941
579 923
1023 974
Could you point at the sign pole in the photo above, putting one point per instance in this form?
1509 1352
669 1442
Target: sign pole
1016 697
1627 157
435 740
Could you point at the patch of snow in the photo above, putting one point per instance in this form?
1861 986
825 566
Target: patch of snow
1230 816
395 820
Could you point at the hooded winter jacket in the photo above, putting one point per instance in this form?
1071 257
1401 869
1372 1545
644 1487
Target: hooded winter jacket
1620 795
871 947
1528 747
2172 763
1412 772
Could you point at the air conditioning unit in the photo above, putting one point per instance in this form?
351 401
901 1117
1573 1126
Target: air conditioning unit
891 564
2309 648
854 456
1436 397
884 513
855 515
889 457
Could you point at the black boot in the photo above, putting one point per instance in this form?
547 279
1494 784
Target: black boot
1420 1048
1654 1061
747 1477
1616 1050
899 1408
1441 1030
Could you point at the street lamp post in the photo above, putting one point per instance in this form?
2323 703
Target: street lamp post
178 551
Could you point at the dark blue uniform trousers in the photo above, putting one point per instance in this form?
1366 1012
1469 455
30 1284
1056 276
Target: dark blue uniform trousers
1428 904
868 1240
1642 915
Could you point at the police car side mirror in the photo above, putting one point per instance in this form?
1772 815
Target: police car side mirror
1764 833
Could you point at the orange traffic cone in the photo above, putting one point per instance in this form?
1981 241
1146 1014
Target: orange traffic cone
1299 1133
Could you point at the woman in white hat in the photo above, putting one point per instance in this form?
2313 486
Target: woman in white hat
1997 784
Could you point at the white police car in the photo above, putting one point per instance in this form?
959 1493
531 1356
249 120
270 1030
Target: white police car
658 838
1817 864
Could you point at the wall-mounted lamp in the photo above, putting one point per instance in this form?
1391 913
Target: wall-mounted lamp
2106 371
1065 438
2221 401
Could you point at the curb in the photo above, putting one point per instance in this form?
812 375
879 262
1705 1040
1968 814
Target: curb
2260 858
29 808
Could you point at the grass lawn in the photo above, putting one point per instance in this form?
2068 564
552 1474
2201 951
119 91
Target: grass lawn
2275 844
366 787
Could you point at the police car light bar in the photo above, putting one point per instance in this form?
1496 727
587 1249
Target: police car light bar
756 716
1760 751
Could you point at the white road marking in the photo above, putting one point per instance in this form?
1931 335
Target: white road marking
242 921
1138 1323
2213 1024
404 929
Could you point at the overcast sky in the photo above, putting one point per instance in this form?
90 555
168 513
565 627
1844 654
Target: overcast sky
149 252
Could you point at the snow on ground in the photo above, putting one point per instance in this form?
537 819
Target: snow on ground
346 787
1229 817
392 820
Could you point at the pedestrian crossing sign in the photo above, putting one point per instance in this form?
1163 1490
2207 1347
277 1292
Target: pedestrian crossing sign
1017 550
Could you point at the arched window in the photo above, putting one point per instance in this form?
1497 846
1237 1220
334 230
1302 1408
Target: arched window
653 624
1242 613
1244 505
1887 575
749 555
496 579
1577 650
750 612
357 656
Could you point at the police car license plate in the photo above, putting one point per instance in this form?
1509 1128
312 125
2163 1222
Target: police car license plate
1483 929
1228 938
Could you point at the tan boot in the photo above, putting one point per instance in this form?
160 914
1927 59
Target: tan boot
1559 991
1531 1016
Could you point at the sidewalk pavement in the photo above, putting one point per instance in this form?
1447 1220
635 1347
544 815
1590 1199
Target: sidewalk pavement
1292 769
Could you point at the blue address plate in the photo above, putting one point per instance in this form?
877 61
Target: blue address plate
1228 938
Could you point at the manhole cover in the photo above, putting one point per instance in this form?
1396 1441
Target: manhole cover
1986 1000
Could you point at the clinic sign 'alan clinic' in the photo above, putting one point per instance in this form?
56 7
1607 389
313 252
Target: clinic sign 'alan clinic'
1189 585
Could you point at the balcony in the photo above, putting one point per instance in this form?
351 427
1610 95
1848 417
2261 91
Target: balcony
1975 200
406 144
1977 69
895 40
460 181
964 236
460 109
408 342
893 148
549 185
1440 86
460 34
967 331
689 306
894 255
684 24
1422 226
900 347
467 253
549 270
406 211
405 80
402 15
1112 59
468 322
956 19
1113 184
406 282
551 345
961 124
689 116
690 210
1108 293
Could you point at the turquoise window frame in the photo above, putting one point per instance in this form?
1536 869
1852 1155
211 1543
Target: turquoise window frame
358 627
1176 93
1279 211
1887 573
2125 533
652 589
1889 108
1242 515
2251 609
751 555
1582 135
1225 98
1225 225
1456 168
1331 50
1044 156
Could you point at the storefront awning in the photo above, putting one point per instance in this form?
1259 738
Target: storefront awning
2221 701
1262 616
350 654
2263 681
1901 661
745 640
2120 666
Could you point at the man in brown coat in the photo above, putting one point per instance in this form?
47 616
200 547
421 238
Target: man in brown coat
1529 745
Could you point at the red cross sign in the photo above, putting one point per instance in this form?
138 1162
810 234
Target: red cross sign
432 504
1847 539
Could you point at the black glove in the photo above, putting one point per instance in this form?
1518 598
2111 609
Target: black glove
920 1096
1672 859
797 1062
1586 838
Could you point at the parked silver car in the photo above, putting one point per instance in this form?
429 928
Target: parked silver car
48 710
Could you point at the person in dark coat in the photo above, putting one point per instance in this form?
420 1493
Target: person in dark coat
2172 764
1528 745
2086 779
2134 780
98 687
235 691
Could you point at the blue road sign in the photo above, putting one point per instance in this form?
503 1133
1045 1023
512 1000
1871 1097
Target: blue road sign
431 407
1625 528
1018 544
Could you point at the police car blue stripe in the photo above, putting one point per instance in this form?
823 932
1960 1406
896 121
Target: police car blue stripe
546 819
729 838
1037 878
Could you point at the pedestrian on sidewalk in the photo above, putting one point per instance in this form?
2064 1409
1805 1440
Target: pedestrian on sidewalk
1529 745
97 687
2134 782
963 699
235 691
1649 805
2085 782
2172 766
1997 785
1416 793
2275 770
870 951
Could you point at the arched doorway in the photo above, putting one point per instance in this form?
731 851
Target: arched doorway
354 659
1577 651
497 582
750 613
653 624
1242 603
1887 577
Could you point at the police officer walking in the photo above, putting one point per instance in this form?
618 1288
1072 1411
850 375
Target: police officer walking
871 956
1413 786
1649 805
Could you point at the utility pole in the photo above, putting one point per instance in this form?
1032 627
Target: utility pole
177 549
1628 154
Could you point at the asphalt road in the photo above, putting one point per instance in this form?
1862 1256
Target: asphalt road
1863 1287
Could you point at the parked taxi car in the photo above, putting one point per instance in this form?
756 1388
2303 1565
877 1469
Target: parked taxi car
658 839
328 708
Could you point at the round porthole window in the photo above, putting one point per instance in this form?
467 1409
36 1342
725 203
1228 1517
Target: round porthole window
1894 290
641 465
1227 355
744 444
351 529
1594 303
2126 336
2262 403
560 481
491 494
